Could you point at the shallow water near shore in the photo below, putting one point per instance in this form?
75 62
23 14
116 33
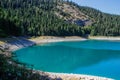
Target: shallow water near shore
90 57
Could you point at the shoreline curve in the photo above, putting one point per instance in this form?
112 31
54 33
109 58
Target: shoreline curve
16 43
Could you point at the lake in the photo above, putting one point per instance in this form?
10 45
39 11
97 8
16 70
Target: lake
90 57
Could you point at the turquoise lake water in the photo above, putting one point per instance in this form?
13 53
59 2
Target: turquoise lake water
91 57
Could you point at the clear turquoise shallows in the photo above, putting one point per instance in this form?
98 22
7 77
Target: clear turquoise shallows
90 57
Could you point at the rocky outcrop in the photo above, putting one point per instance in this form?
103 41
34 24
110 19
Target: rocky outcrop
15 43
73 15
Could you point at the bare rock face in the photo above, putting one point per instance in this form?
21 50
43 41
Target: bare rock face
73 15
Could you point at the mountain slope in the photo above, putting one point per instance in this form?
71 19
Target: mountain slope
34 18
56 18
105 24
72 14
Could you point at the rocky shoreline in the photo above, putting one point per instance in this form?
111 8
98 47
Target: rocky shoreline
104 38
15 43
61 76
66 76
20 42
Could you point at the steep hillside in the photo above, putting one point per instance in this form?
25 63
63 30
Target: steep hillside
56 18
104 24
72 14
34 18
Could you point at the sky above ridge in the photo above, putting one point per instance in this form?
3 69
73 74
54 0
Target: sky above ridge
107 6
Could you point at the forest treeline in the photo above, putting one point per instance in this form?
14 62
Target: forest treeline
36 17
104 24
